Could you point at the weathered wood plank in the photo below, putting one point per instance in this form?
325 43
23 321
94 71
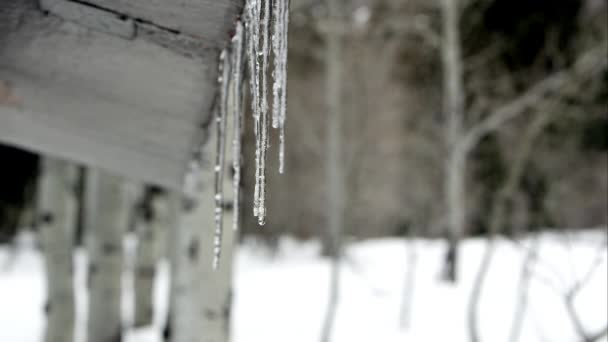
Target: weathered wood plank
128 106
91 17
211 21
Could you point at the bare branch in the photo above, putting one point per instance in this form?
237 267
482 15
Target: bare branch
588 65
498 215
599 335
597 261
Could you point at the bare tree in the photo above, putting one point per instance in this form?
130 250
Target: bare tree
585 68
462 140
335 173
498 215
570 297
410 281
519 313
106 257
453 110
57 214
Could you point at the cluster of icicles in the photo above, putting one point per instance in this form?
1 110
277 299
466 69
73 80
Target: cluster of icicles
265 32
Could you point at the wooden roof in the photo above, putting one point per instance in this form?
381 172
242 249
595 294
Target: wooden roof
125 85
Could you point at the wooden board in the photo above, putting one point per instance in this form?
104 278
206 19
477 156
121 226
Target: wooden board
211 21
126 105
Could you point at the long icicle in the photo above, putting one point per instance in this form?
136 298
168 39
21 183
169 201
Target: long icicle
220 160
283 110
264 53
276 50
266 32
237 97
253 27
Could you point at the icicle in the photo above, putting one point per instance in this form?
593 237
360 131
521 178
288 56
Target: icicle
237 77
253 27
276 50
273 21
283 106
279 39
264 54
220 159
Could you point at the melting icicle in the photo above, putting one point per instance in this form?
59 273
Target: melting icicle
279 48
237 77
264 54
266 28
283 106
276 50
253 28
220 159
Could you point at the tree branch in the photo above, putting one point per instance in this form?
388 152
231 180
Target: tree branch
586 66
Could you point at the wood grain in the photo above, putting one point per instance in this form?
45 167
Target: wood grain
128 106
211 21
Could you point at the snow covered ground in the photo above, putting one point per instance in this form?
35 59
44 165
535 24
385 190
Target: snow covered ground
281 297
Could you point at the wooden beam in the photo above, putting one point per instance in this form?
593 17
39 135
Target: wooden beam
127 106
211 21
91 17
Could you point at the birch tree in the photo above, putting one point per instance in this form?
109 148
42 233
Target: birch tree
200 295
216 285
106 255
57 210
152 217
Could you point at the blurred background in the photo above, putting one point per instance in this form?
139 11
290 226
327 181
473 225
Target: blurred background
446 180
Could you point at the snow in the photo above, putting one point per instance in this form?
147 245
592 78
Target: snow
281 296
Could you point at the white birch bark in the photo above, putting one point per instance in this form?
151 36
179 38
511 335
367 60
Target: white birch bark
57 210
106 258
170 249
151 220
216 285
185 282
201 296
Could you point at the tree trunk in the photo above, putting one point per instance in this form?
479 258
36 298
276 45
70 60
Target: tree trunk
106 257
455 185
170 236
151 219
498 216
405 316
335 171
57 210
453 108
216 285
185 283
523 290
